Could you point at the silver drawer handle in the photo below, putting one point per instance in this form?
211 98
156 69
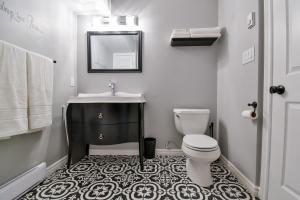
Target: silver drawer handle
100 115
100 136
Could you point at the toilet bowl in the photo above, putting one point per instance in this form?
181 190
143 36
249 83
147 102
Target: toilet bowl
201 150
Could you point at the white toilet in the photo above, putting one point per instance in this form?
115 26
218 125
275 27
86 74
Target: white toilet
200 149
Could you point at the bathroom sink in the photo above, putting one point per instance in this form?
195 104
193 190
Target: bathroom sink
106 97
108 94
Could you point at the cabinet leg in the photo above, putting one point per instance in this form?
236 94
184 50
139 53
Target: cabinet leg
141 153
69 136
69 156
141 135
87 149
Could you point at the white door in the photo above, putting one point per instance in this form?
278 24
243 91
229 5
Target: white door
284 174
124 60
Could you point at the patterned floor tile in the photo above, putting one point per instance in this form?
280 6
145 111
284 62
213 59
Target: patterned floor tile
120 178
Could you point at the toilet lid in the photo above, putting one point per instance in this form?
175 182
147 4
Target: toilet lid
200 142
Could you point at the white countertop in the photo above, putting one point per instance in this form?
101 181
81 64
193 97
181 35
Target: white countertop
107 99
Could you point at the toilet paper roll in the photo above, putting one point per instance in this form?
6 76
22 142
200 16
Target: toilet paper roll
249 114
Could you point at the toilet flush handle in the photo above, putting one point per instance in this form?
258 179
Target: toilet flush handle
178 116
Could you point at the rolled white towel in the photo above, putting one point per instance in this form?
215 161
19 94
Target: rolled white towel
206 35
205 30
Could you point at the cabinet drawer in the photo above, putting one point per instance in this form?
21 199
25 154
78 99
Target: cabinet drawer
111 134
110 113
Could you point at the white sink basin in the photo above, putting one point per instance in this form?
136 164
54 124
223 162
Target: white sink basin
106 97
108 94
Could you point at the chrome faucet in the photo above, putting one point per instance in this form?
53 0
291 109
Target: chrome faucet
112 86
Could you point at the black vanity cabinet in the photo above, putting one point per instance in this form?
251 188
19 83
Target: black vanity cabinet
107 124
103 124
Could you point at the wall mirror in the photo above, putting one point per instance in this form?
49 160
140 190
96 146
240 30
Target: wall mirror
114 51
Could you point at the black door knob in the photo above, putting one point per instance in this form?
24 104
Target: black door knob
280 89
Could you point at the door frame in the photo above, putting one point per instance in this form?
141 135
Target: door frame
267 101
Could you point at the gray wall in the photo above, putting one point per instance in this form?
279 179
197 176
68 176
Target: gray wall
238 85
172 77
21 153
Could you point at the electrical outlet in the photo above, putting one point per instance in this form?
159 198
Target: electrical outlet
248 56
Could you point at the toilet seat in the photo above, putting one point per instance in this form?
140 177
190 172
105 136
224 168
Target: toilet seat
201 143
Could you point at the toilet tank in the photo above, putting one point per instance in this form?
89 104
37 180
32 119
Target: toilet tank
191 121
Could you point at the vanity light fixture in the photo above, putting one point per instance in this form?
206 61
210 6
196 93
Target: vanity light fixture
121 20
129 20
132 20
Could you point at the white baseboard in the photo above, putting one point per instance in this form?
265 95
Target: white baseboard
58 164
172 152
24 182
133 152
101 152
252 188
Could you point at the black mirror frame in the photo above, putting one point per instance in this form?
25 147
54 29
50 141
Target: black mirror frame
140 37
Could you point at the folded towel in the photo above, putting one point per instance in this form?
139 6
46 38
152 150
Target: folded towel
206 35
180 35
180 31
205 30
13 90
40 90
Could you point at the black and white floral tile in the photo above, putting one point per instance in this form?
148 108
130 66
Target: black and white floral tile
120 178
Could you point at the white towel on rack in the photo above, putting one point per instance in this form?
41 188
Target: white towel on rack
13 91
211 30
181 36
206 35
180 33
40 90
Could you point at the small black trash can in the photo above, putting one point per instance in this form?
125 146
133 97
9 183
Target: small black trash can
149 150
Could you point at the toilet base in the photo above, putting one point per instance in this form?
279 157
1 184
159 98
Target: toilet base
199 172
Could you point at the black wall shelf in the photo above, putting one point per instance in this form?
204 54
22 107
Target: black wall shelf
193 41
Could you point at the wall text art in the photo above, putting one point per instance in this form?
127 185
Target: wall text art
16 17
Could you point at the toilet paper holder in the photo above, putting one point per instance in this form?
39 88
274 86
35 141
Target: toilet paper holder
254 106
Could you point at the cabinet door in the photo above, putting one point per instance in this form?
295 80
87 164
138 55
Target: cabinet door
110 113
99 134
